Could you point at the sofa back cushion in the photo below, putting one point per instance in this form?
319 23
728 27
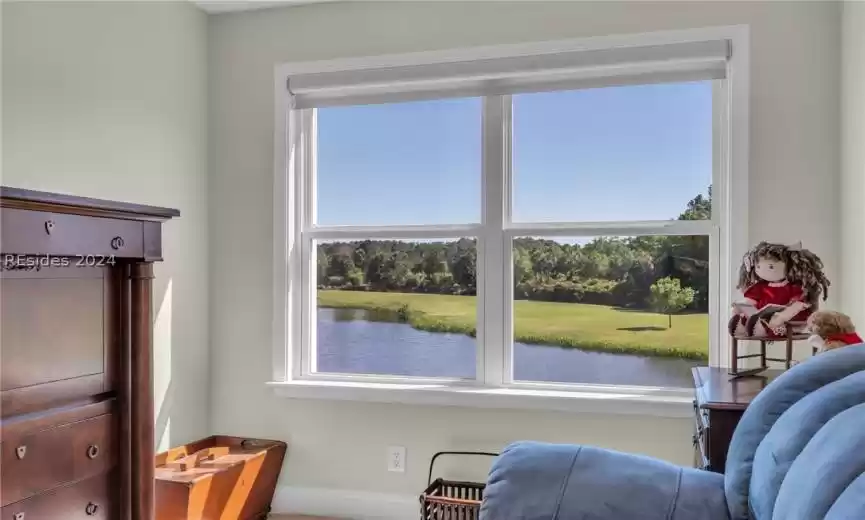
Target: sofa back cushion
792 432
765 410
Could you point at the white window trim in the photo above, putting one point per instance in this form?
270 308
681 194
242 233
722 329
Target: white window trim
730 184
584 400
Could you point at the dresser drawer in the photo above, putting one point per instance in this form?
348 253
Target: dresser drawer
56 335
38 461
63 234
85 500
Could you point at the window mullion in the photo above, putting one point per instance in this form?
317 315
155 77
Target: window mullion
507 263
724 268
307 246
492 253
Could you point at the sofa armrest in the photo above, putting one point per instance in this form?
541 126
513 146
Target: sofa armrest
536 481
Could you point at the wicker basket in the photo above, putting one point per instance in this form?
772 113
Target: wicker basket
450 499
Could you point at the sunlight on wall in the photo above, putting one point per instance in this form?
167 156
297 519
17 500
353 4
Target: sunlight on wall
162 387
163 437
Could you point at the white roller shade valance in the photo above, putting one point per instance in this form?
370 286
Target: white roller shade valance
687 61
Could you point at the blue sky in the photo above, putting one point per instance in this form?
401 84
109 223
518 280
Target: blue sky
623 153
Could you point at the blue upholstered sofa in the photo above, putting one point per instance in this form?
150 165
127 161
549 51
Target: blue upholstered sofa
797 454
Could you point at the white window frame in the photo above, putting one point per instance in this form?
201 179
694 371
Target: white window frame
294 296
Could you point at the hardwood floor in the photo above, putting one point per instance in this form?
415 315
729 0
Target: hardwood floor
300 517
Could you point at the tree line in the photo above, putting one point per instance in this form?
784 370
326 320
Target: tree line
605 270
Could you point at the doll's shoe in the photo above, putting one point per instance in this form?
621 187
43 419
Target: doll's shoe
733 324
751 324
764 319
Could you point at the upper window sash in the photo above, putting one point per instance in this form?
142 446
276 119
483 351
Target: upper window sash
501 75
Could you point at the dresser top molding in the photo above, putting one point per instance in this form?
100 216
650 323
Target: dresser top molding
44 201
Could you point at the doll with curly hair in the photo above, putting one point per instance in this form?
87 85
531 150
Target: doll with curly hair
781 284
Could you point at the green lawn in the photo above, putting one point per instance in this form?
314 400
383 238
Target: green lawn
588 327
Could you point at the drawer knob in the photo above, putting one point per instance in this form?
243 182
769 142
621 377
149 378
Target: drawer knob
18 516
49 226
21 452
117 243
92 451
91 509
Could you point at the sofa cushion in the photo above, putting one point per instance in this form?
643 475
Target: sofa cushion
851 504
831 461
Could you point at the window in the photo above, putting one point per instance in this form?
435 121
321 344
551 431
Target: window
403 307
584 310
398 164
595 155
489 222
592 310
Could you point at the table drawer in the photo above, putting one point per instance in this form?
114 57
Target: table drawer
62 234
39 461
90 499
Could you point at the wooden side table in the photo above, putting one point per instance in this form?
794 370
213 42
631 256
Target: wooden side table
719 402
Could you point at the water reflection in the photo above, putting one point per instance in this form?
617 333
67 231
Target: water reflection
360 341
362 314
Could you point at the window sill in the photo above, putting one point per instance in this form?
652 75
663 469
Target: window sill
582 401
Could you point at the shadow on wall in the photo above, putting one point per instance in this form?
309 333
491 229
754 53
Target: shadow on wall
163 387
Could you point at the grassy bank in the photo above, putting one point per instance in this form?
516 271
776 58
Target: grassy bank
588 327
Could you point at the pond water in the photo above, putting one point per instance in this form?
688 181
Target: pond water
356 341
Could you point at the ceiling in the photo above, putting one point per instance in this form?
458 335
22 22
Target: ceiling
227 6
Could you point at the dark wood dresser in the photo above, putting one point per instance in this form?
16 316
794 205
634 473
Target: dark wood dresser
719 404
76 403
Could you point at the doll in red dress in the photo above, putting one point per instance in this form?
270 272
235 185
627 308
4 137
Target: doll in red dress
781 284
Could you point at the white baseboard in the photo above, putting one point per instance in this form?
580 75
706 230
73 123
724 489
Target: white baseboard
344 503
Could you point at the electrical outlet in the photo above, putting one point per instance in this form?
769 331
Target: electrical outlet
396 459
